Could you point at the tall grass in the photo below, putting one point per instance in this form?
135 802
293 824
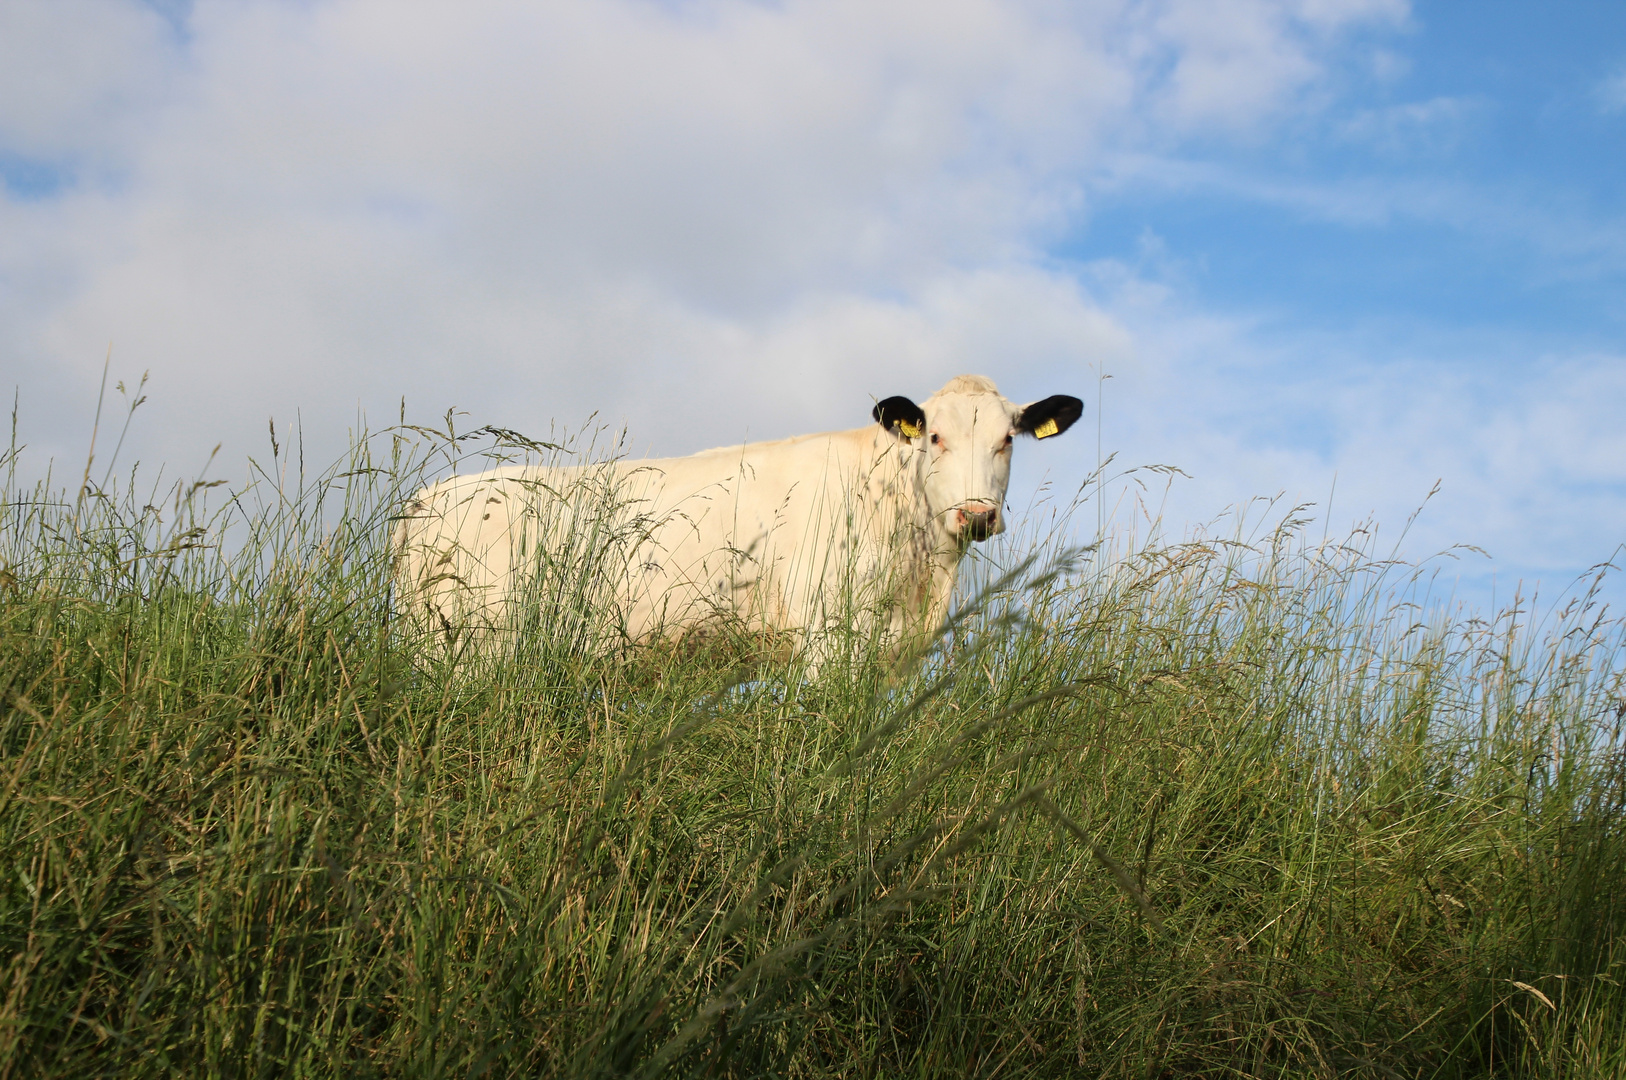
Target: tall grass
1217 808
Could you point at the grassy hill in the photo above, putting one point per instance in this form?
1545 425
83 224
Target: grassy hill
1211 809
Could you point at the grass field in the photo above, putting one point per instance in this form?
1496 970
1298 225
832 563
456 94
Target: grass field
1209 809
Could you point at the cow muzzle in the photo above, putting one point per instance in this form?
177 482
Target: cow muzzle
976 521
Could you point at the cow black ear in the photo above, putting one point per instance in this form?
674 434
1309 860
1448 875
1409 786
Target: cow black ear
901 417
1052 416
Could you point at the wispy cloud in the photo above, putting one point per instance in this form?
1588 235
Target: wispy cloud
1611 93
1526 446
1571 241
1415 128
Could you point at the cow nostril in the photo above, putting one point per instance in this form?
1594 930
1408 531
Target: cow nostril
975 523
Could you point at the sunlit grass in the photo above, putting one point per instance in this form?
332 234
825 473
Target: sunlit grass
1223 808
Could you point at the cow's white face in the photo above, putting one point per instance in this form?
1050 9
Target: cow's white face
965 434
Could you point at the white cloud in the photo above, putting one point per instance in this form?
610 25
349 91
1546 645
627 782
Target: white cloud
78 78
686 215
1233 66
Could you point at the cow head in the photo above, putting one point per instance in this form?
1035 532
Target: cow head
964 434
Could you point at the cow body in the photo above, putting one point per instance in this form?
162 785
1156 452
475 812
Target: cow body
863 528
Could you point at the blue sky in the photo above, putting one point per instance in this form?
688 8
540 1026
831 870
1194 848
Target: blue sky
1478 183
1362 246
1455 213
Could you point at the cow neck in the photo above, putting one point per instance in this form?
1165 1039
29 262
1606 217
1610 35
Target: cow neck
900 466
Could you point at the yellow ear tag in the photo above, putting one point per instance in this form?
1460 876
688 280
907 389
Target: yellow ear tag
912 431
1046 429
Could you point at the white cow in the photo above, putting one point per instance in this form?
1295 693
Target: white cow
861 528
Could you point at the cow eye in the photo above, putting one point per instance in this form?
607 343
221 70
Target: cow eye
936 438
